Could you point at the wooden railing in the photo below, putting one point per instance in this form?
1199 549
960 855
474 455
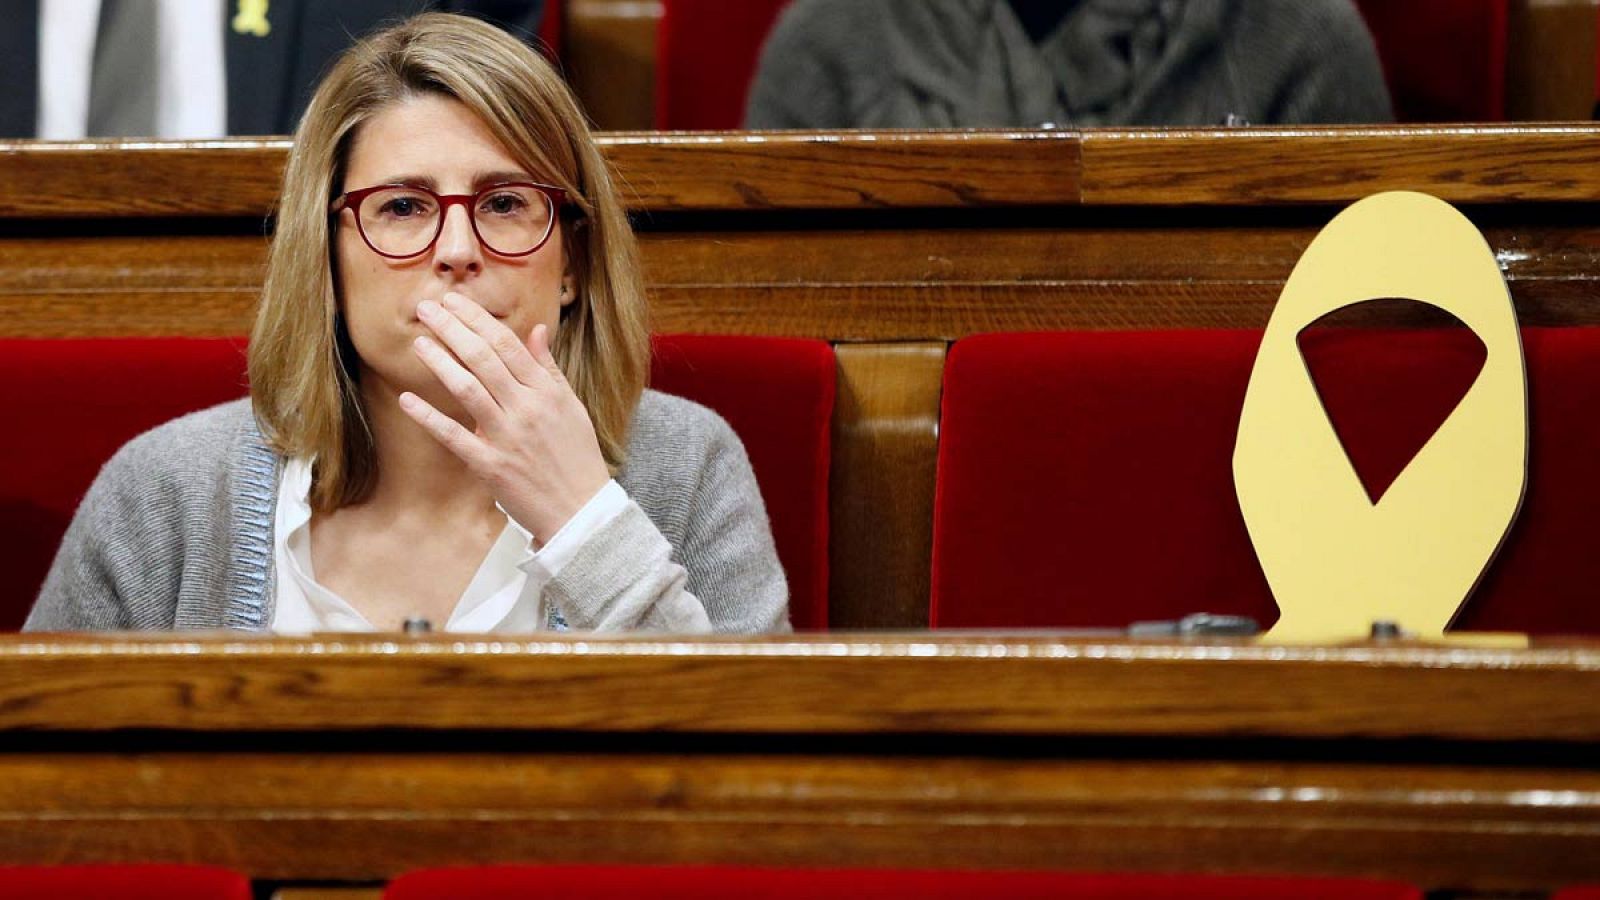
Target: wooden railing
356 758
889 245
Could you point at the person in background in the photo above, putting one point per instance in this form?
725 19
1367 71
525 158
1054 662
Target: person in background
190 68
1025 63
448 417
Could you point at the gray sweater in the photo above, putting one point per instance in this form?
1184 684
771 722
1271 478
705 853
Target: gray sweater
971 63
176 533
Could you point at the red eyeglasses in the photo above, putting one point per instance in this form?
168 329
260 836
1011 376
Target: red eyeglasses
401 221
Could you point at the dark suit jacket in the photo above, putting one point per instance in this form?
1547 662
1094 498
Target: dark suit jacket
270 78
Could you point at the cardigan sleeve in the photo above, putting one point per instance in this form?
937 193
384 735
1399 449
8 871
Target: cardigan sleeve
95 580
723 575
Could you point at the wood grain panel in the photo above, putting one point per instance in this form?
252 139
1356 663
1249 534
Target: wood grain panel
611 58
116 285
123 179
885 440
801 170
133 262
1235 167
825 683
1075 249
952 311
1145 248
878 284
1550 60
884 312
107 313
1081 245
658 171
742 171
373 815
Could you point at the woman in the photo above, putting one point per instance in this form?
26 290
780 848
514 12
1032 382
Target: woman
448 418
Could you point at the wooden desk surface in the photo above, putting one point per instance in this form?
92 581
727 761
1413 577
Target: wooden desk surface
838 170
359 757
925 683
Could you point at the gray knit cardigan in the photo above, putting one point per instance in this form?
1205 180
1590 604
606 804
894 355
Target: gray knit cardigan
176 533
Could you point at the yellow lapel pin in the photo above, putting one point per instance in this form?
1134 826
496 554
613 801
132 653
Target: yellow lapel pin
251 18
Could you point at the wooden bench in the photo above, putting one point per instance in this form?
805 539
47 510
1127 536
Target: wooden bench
889 246
356 758
353 759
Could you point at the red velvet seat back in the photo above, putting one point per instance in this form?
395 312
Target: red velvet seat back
123 882
777 393
72 403
735 883
552 29
1444 60
706 55
69 405
1085 479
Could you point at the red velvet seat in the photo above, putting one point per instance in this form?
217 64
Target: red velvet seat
552 28
706 55
1444 60
72 403
1581 892
777 393
1085 479
123 882
734 883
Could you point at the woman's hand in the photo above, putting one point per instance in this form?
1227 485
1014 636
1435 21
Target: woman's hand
534 445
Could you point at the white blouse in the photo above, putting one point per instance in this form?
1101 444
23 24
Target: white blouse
505 595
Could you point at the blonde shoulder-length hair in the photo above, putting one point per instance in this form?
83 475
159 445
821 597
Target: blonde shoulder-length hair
303 369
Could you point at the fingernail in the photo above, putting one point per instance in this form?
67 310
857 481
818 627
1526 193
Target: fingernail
427 309
420 343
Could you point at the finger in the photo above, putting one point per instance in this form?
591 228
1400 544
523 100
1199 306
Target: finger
462 384
501 340
467 447
539 347
472 350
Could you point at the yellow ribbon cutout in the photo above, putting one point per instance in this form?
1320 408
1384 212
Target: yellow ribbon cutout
1337 561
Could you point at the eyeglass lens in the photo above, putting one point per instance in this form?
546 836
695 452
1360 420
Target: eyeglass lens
403 221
